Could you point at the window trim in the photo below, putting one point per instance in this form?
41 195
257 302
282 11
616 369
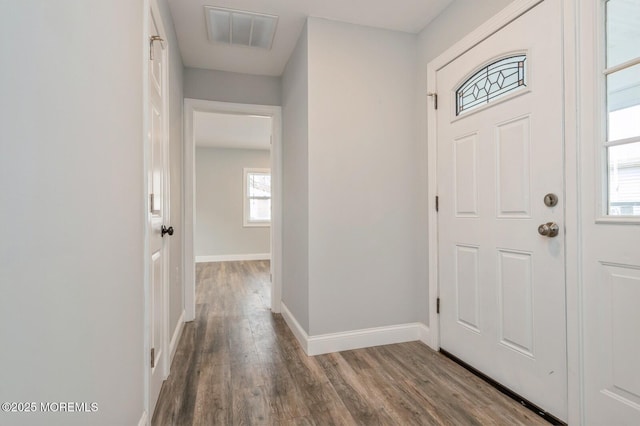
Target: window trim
247 223
602 123
521 91
522 68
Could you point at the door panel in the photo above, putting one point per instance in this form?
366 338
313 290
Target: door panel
514 182
623 321
466 175
502 285
467 282
612 374
156 309
515 281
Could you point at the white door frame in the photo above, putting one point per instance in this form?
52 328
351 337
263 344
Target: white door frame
153 7
571 181
275 112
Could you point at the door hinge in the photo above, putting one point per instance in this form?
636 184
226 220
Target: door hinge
438 305
271 277
435 99
437 203
151 40
153 357
151 200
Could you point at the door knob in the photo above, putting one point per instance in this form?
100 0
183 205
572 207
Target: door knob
166 230
549 229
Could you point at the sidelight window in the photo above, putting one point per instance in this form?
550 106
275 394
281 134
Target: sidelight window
622 102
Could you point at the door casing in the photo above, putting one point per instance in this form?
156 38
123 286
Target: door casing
275 112
572 183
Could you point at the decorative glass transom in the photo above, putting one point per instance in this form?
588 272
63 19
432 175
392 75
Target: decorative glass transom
491 82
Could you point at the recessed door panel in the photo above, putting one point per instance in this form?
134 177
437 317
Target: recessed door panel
156 159
466 176
157 295
622 318
467 286
514 182
516 300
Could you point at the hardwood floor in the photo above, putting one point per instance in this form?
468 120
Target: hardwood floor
238 364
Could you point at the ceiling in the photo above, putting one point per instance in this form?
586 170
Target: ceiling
197 52
213 130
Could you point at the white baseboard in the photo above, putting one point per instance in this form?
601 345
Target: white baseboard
233 257
173 345
144 420
356 339
295 327
365 338
425 334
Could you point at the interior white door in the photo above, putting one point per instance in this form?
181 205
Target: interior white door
157 215
501 283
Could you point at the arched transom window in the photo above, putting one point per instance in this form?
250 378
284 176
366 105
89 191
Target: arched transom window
491 82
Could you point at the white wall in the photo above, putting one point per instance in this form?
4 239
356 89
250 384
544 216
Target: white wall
223 86
219 228
295 194
71 209
455 22
362 190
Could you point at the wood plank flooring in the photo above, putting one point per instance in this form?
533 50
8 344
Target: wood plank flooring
239 364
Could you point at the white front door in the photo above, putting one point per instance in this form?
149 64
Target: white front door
157 215
500 152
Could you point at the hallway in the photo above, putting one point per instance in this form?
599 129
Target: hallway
239 364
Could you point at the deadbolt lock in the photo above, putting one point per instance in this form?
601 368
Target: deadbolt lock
550 200
549 229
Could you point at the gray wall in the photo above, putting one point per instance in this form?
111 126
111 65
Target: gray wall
352 129
362 191
71 264
176 102
295 197
349 178
455 22
72 209
219 228
232 87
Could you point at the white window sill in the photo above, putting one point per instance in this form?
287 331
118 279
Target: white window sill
257 224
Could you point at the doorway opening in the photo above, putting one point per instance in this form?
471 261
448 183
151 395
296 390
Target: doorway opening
232 189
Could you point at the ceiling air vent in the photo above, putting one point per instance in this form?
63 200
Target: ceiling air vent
240 28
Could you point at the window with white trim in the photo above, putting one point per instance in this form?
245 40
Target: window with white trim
257 197
622 102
